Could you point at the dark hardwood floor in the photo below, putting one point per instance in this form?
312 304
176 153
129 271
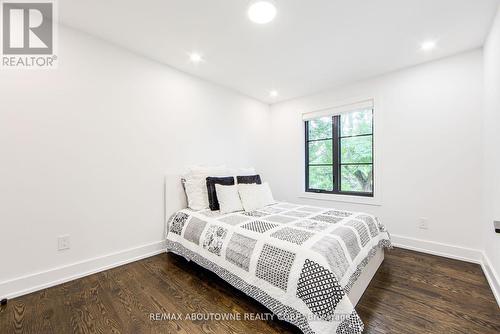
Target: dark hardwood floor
411 293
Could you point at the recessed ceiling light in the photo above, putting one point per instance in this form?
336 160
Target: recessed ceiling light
428 45
262 11
273 93
195 57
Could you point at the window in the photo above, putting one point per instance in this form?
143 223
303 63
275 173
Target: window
339 152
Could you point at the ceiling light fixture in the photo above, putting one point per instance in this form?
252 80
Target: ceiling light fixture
195 57
428 45
261 11
273 93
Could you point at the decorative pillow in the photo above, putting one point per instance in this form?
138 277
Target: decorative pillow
228 198
195 185
249 179
212 194
196 197
255 196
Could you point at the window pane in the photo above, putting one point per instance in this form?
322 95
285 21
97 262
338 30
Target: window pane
356 149
320 128
320 152
321 177
357 178
356 123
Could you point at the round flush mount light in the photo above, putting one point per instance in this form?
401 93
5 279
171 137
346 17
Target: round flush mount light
262 11
195 57
428 45
273 93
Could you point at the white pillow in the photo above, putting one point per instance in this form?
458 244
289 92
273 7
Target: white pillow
196 185
255 196
197 196
228 198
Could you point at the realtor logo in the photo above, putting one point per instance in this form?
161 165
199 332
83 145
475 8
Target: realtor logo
28 34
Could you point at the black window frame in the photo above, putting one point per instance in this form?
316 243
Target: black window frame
337 163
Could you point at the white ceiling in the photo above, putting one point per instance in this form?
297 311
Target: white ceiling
310 46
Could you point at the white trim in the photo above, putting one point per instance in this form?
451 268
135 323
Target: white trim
338 109
492 277
453 252
341 198
45 279
438 248
377 106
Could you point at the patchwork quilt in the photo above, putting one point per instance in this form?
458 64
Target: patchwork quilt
299 261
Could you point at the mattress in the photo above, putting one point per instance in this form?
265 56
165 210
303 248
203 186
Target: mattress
299 261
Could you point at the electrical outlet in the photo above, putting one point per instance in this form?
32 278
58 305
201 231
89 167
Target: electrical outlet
63 242
423 223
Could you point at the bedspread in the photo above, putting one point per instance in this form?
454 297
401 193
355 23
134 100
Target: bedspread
299 261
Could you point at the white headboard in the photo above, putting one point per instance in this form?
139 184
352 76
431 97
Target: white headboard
175 197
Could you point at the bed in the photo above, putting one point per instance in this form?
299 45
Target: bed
309 265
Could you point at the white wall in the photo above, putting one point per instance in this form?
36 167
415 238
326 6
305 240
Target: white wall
428 141
491 136
84 150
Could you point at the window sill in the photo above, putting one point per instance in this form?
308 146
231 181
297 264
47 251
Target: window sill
342 198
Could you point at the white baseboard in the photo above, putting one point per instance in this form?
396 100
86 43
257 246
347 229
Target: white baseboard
439 249
492 277
453 252
37 281
45 279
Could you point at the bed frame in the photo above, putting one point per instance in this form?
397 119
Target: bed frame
175 199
